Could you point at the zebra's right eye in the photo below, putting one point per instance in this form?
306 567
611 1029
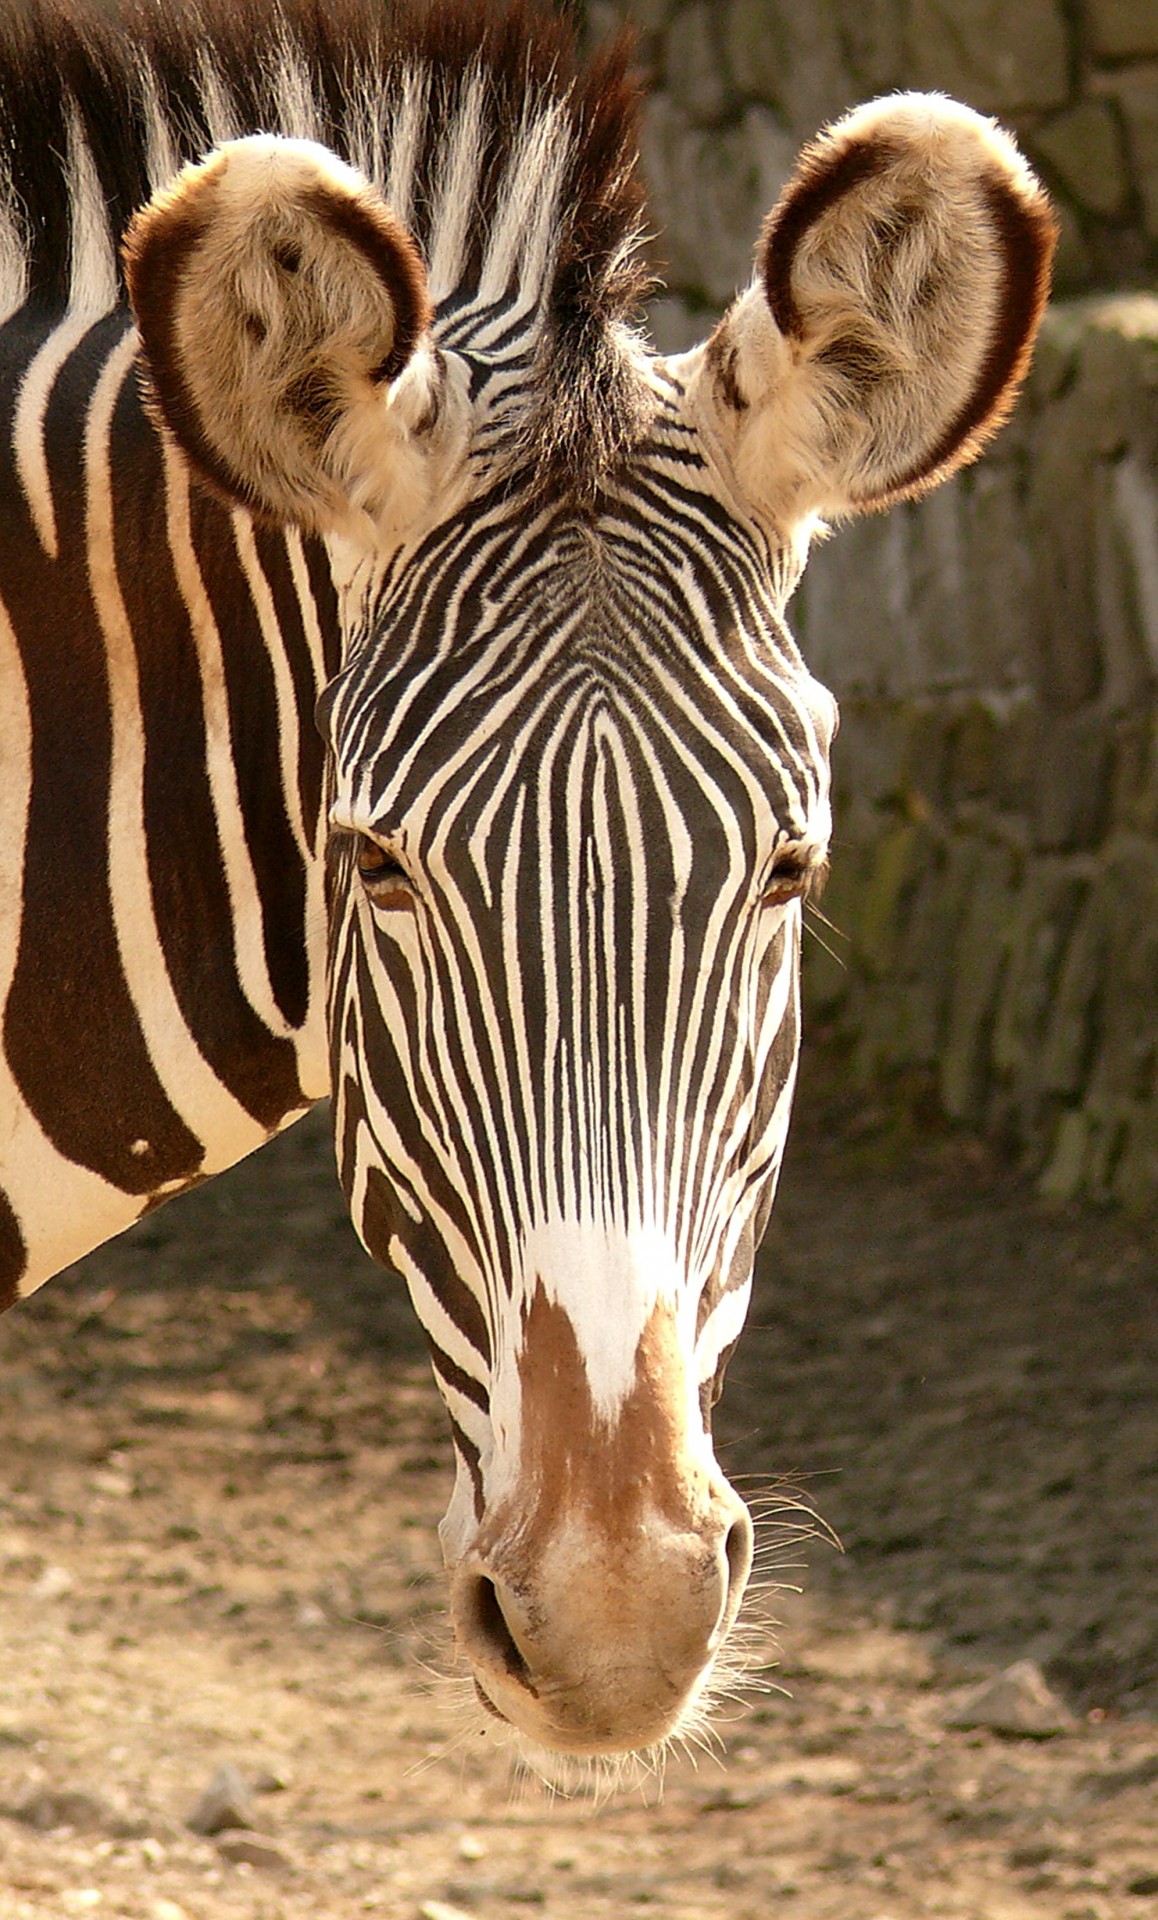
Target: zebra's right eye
385 879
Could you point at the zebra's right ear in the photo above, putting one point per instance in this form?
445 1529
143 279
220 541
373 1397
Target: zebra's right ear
900 282
285 320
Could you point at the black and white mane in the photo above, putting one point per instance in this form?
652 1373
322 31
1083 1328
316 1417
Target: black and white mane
470 118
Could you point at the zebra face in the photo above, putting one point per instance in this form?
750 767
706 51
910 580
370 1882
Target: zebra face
580 771
573 829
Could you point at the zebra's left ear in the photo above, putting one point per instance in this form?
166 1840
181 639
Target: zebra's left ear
900 281
285 319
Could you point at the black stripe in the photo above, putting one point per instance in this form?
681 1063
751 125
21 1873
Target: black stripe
13 1255
186 870
71 1032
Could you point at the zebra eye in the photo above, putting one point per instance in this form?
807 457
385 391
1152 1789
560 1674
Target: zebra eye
384 878
794 879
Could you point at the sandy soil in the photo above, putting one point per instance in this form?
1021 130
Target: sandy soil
222 1464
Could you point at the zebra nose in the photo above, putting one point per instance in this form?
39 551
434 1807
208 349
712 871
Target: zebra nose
601 1647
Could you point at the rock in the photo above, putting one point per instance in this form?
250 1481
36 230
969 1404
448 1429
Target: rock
52 1584
248 1849
1084 147
1115 1780
1017 1702
224 1803
693 71
996 57
1122 29
51 1807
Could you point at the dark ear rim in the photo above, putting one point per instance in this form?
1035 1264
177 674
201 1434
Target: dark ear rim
158 247
1026 230
161 238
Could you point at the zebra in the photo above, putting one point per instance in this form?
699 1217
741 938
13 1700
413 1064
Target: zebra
380 435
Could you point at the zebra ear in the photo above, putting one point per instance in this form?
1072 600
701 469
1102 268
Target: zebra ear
900 281
279 301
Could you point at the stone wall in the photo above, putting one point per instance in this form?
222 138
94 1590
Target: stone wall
995 865
738 84
995 649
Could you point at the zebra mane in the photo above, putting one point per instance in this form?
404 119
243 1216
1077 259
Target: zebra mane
102 100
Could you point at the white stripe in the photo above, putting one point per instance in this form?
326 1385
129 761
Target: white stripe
13 252
458 191
240 880
63 1210
219 1122
405 144
92 283
28 424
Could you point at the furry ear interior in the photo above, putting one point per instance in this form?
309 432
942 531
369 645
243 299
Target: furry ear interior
279 301
900 282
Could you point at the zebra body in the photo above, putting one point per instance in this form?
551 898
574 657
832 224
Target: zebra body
402 448
156 650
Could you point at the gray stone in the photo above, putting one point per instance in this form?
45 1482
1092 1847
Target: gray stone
816 85
1070 802
248 1849
1048 904
872 34
979 957
1083 146
1016 1702
1120 29
1061 608
1068 1046
1136 92
674 326
997 573
224 1803
693 67
938 589
710 193
1064 1173
853 610
1126 581
50 1807
997 57
756 48
1126 1061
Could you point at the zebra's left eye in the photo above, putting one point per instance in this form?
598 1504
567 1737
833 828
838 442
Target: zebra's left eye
385 879
794 879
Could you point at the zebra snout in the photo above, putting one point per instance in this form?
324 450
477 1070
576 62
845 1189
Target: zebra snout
599 1646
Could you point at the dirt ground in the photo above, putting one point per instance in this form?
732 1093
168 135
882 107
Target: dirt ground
222 1465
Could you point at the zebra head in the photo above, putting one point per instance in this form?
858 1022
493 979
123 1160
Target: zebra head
579 769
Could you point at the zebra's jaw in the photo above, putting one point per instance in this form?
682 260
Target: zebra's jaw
608 1566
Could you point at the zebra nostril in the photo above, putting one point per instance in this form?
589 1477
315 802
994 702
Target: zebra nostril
486 1634
738 1556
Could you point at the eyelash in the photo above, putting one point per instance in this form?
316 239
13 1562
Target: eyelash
793 879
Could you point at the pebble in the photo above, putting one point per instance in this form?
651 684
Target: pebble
247 1849
166 1910
225 1802
1016 1702
470 1847
52 1584
439 1910
51 1807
